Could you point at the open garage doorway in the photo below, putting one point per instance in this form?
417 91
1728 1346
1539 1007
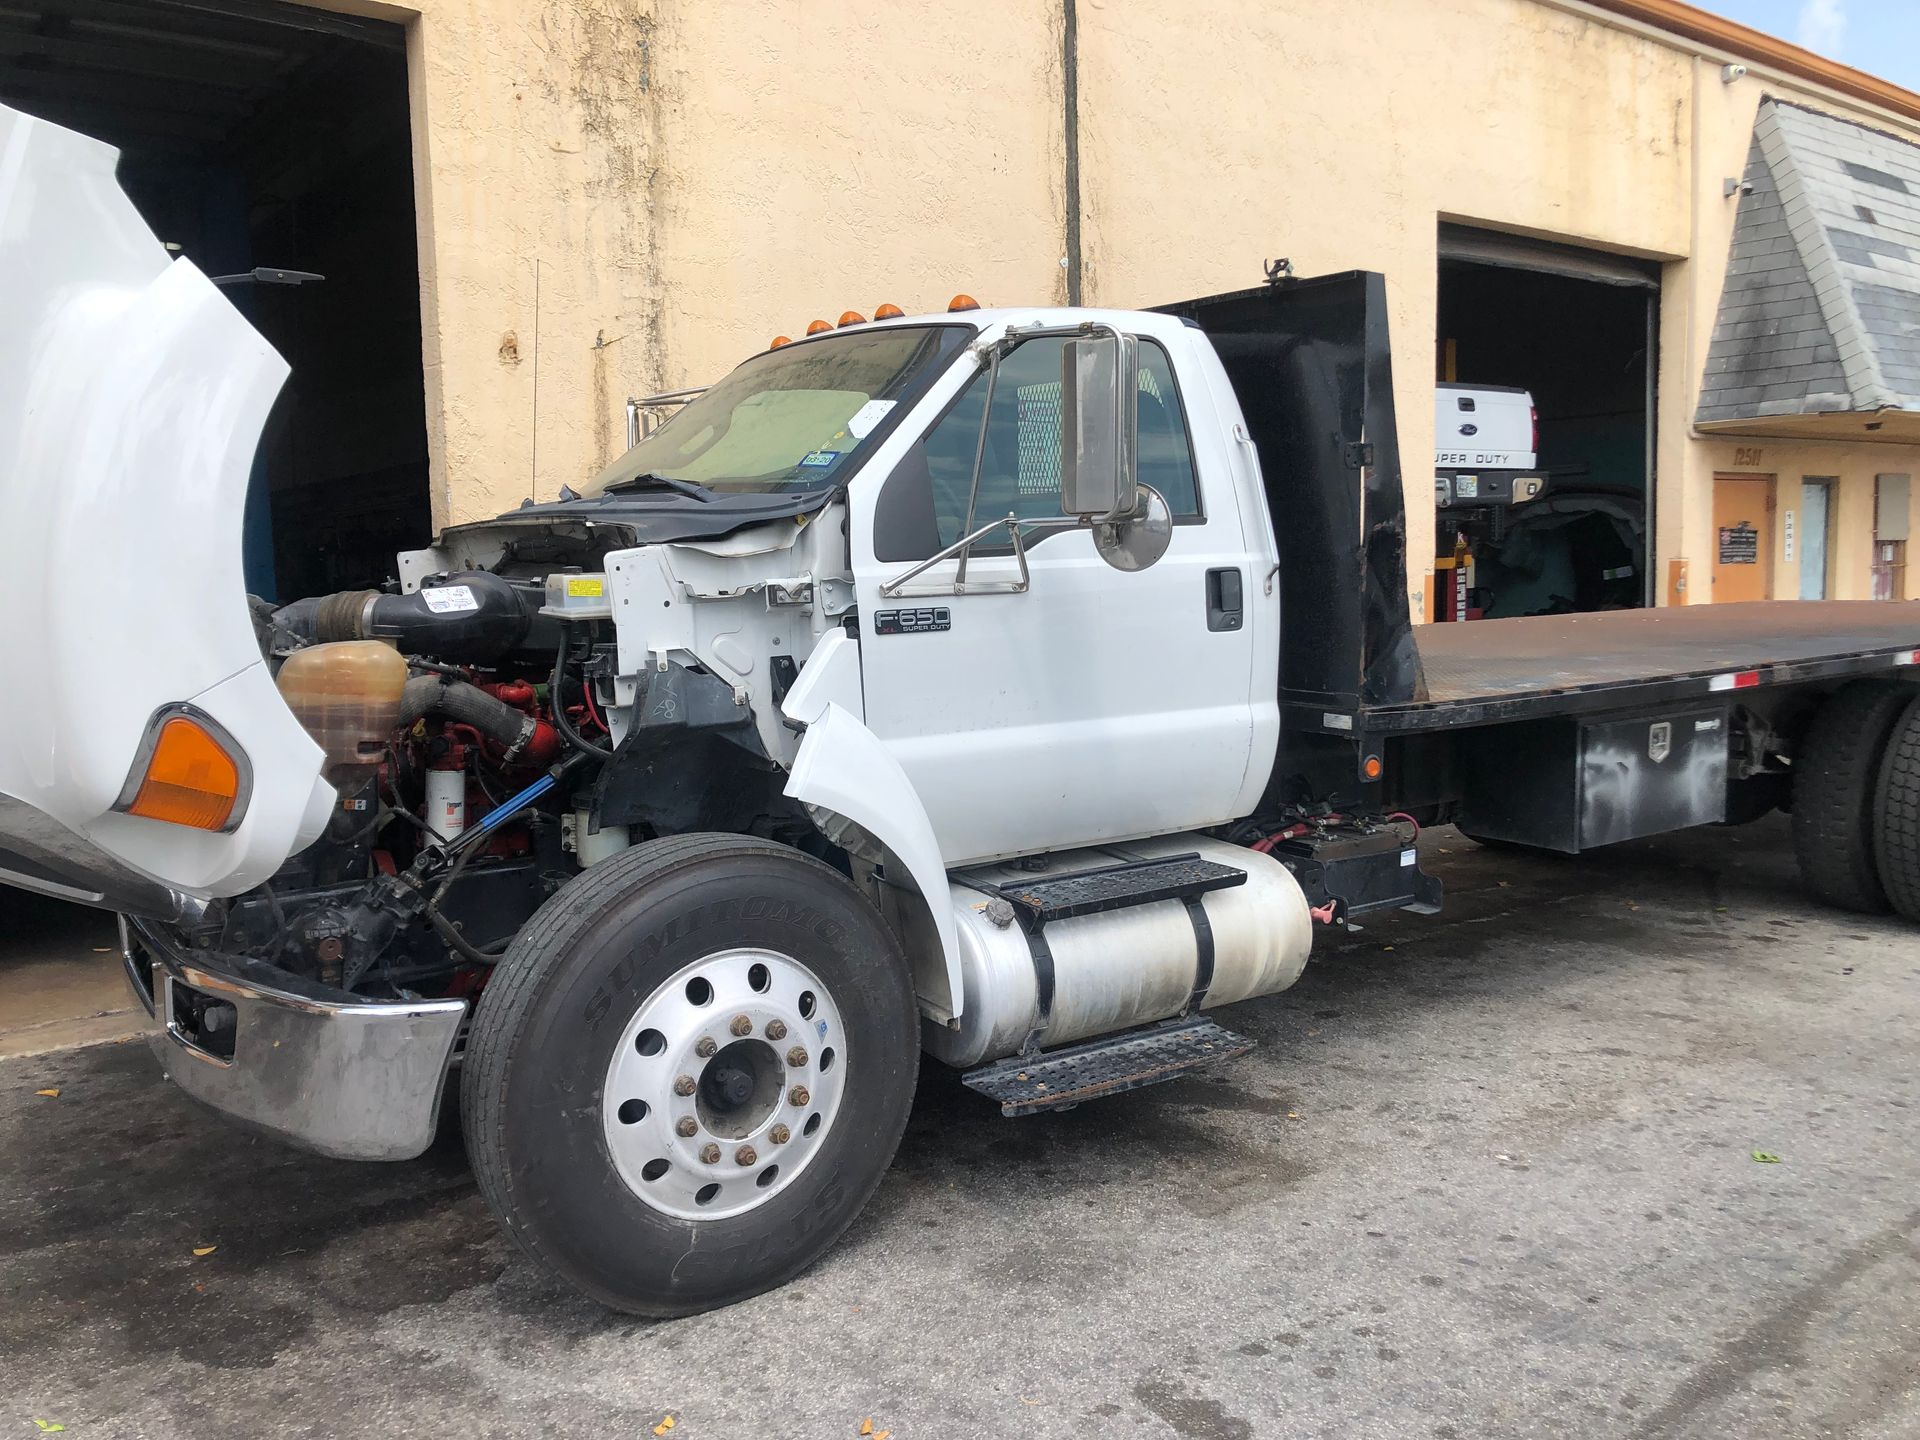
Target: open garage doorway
1577 330
261 135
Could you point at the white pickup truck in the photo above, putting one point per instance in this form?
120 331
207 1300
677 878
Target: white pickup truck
1013 685
1484 437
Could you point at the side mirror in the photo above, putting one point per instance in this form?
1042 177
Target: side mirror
1098 403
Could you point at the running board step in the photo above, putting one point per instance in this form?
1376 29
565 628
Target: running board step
1061 1079
1114 887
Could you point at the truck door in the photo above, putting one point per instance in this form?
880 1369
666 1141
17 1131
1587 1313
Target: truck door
1097 704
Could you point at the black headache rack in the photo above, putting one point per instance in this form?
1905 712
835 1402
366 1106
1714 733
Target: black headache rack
1311 364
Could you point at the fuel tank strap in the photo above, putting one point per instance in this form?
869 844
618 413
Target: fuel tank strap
1203 953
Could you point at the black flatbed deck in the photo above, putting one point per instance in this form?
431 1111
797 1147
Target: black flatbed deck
1487 671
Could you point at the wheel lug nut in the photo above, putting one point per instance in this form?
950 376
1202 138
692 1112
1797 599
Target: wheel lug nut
741 1025
744 1155
799 1095
709 1154
779 1135
683 1085
797 1057
687 1126
705 1048
776 1029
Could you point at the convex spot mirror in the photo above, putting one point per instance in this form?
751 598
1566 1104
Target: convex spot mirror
1099 395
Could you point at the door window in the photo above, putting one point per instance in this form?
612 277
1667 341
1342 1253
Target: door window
1816 518
923 508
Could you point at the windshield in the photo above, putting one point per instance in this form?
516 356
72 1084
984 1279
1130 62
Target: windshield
797 418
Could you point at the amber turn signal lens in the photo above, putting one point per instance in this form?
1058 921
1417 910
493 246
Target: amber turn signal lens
852 317
1372 767
963 302
818 327
887 312
780 340
191 780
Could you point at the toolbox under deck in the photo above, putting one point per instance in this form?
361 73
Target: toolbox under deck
1489 670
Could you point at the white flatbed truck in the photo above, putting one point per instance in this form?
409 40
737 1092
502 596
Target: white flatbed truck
1013 685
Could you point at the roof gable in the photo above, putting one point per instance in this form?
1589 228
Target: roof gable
1821 308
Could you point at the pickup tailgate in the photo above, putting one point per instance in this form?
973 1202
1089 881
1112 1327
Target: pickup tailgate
131 400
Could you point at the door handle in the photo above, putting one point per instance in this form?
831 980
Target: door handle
1226 608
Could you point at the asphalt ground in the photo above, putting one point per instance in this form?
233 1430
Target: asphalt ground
1488 1174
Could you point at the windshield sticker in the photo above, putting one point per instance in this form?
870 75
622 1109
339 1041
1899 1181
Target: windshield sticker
869 415
446 599
820 459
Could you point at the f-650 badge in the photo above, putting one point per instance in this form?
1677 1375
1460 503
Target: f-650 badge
922 621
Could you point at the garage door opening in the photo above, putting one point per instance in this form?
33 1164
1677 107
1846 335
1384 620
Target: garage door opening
1576 330
260 135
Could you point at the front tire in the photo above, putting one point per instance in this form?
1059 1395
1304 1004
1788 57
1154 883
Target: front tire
690 1072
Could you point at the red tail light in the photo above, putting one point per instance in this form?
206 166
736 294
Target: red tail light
1533 414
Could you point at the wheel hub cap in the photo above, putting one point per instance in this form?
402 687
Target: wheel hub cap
748 1045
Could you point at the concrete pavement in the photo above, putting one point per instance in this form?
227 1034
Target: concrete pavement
1489 1174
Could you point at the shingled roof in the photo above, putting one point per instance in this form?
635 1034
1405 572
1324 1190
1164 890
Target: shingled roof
1821 310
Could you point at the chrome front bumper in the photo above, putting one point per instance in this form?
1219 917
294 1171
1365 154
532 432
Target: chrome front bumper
310 1065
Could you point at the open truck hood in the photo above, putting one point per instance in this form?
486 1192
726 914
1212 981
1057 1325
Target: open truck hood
132 395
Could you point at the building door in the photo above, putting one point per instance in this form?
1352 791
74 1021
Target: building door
1816 524
1742 537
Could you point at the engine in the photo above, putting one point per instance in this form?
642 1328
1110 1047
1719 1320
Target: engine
463 731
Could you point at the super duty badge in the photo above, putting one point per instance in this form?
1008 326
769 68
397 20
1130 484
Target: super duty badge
923 621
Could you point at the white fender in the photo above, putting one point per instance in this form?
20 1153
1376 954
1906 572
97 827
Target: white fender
843 769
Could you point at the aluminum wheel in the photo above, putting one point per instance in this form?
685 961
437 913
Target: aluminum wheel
724 1084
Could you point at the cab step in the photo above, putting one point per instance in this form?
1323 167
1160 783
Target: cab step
1060 1079
1114 887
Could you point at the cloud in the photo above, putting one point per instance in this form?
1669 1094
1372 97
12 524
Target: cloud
1822 25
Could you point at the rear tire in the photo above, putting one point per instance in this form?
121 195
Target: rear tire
1896 814
1835 775
659 964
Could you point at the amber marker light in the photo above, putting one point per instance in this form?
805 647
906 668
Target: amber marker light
962 302
189 776
852 317
818 327
887 312
780 340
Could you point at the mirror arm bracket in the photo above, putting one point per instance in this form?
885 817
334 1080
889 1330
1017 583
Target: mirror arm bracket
895 588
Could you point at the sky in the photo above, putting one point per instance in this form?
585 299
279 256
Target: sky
1881 37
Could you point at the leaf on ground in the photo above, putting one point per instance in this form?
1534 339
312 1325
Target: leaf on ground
50 1094
1766 1157
47 1427
666 1424
202 1251
866 1426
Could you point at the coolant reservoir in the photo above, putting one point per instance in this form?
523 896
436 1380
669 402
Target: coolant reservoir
347 696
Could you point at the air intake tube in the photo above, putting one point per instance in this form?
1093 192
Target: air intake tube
469 617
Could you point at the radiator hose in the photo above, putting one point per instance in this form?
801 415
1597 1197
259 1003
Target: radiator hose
432 694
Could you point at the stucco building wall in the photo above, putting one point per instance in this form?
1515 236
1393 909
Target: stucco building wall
678 182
